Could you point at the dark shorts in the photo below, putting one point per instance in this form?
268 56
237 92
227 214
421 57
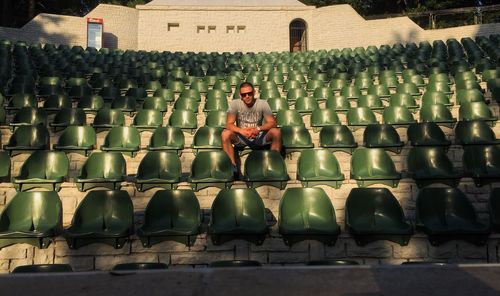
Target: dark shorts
258 143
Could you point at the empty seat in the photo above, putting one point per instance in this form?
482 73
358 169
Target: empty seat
373 166
476 111
79 139
42 268
338 103
307 213
360 117
482 163
211 168
382 136
43 169
108 93
187 103
158 169
475 132
167 138
22 100
91 104
371 101
289 118
350 92
437 113
306 104
68 116
427 134
429 165
323 93
108 118
29 116
55 103
398 116
469 96
277 104
124 104
190 93
147 119
446 214
28 138
155 103
31 217
102 170
295 138
238 214
124 139
167 95
381 90
373 214
295 93
404 100
171 215
103 216
136 93
319 167
183 119
215 102
265 167
207 138
337 138
408 88
323 117
216 119
435 97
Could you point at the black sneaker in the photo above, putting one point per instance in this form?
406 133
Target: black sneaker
236 173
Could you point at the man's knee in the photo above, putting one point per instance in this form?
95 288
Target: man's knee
227 135
274 134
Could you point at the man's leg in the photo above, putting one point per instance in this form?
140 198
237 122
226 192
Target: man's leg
274 137
228 138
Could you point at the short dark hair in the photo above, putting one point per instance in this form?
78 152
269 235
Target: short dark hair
246 83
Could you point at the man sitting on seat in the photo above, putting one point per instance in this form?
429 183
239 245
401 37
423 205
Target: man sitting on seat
250 122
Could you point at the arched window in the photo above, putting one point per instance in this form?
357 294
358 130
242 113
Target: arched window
298 36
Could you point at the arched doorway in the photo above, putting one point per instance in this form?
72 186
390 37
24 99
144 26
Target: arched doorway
298 36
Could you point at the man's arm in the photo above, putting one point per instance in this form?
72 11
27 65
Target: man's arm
230 125
270 122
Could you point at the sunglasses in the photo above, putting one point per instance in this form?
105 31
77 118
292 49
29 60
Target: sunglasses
246 94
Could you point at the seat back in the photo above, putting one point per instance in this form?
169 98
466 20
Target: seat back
30 135
108 165
370 162
317 162
474 132
172 208
123 136
235 204
45 165
289 118
70 116
159 165
429 160
167 136
211 164
106 116
148 117
265 164
78 136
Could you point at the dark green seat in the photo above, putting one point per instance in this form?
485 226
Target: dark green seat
43 169
475 132
139 266
482 163
136 93
29 116
4 166
446 214
323 93
223 85
108 93
439 86
408 88
31 217
427 134
337 138
166 94
176 86
435 97
200 86
207 138
125 104
108 118
215 101
469 96
67 117
381 90
147 119
371 101
50 86
291 84
234 263
494 209
102 169
167 138
289 118
265 167
155 103
183 119
43 268
238 214
373 214
306 104
55 103
360 117
158 169
382 136
319 167
78 87
79 139
476 111
187 103
437 113
171 215
28 138
190 93
307 213
211 168
267 93
103 216
91 104
22 100
124 139
295 93
323 117
391 81
278 104
338 103
405 100
373 166
216 119
429 165
350 92
398 116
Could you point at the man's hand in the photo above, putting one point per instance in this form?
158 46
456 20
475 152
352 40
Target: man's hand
247 133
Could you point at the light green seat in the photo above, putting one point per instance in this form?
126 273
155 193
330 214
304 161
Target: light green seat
176 86
28 138
475 132
103 216
91 104
429 165
339 103
291 84
102 169
238 214
404 100
437 113
167 138
158 169
147 119
207 138
476 111
215 102
408 88
313 84
360 117
307 213
166 94
183 119
398 116
323 117
267 93
155 103
68 117
323 93
108 118
122 139
380 90
294 138
43 169
306 104
211 169
467 84
382 136
439 86
190 93
187 103
295 93
289 118
216 119
200 86
34 218
391 81
337 84
278 104
482 163
427 134
371 166
265 167
337 138
350 92
373 214
171 215
371 101
79 139
435 97
319 167
224 86
469 96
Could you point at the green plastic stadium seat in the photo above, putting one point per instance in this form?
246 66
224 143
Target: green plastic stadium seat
24 100
223 85
67 117
183 119
43 169
278 104
158 169
151 87
91 104
265 167
295 93
373 166
338 103
494 209
398 116
29 116
176 86
147 119
78 88
307 213
467 84
337 84
446 214
313 84
122 139
373 214
295 138
380 90
390 81
382 136
207 138
306 104
108 118
215 103
43 268
426 134
267 93
404 100
50 86
323 93
167 138
79 139
350 92
439 77
55 103
28 138
4 166
337 138
371 101
103 216
31 217
469 96
155 103
477 111
190 93
408 88
437 113
319 167
108 93
216 119
211 168
363 82
429 165
234 263
291 84
475 132
166 94
102 169
323 117
289 118
124 104
482 163
238 214
171 215
360 117
187 103
435 97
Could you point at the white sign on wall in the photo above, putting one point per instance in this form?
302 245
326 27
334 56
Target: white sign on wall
94 32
